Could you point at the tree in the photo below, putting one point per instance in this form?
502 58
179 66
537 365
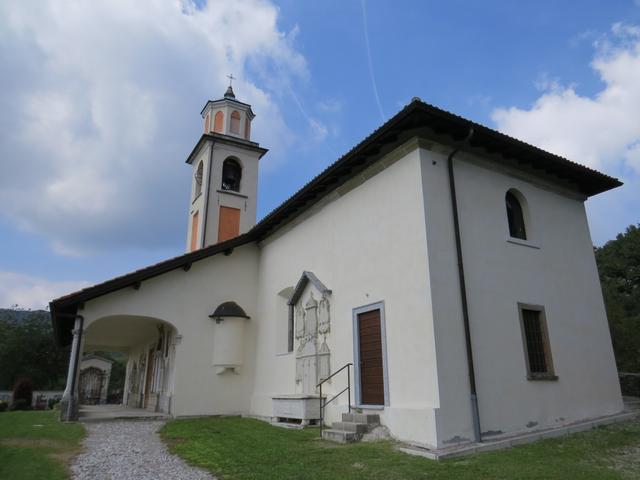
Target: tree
619 266
28 349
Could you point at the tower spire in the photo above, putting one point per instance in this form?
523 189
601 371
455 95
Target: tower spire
229 93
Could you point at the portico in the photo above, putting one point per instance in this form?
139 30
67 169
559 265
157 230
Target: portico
149 345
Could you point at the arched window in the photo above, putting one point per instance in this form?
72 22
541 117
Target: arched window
218 122
235 122
247 128
198 178
231 175
515 216
206 123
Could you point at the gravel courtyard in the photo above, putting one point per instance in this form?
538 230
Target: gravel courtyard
123 450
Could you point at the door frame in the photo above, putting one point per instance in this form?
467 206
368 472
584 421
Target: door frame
356 353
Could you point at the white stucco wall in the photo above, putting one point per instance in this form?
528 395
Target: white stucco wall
556 269
185 300
367 244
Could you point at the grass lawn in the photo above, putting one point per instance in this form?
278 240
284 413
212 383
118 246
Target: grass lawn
240 448
35 445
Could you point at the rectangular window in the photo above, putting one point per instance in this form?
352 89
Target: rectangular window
535 337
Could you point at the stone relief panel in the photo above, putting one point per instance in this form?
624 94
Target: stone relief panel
324 325
312 324
324 367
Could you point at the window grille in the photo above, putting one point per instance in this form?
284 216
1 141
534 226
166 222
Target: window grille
536 343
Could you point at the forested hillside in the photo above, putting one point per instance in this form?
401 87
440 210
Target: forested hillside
619 265
27 349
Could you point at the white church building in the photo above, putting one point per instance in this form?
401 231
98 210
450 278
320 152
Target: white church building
447 267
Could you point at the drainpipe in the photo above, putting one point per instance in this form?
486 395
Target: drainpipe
475 413
69 395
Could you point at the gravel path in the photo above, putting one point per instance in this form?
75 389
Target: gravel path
124 450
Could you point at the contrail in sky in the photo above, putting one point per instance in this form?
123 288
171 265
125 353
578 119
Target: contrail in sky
373 78
310 120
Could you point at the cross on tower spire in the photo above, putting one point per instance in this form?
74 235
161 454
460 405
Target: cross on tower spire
229 93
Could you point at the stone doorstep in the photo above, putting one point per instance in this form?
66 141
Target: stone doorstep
498 444
352 427
367 418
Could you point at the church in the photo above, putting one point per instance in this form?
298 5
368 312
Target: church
438 278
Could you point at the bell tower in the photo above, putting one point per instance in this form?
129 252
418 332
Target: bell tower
225 174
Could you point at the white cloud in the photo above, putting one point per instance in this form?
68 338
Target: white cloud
32 292
546 84
330 106
319 130
601 131
100 106
597 131
633 157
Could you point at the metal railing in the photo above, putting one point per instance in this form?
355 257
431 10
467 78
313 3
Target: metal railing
323 404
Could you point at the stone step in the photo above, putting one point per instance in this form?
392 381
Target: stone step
365 418
340 436
352 427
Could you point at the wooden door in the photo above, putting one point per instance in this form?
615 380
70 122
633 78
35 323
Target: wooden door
371 366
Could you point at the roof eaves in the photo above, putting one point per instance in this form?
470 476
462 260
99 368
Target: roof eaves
302 283
356 151
130 279
558 161
226 139
233 100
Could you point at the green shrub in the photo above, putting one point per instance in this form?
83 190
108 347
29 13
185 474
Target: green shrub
22 394
20 404
4 406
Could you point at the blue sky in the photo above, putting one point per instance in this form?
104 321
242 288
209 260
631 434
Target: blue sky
100 106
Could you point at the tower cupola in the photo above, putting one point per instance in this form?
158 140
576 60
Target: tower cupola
228 116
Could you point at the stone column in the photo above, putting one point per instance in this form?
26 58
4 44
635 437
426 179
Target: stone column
70 400
127 379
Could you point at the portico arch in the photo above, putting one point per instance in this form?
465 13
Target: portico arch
149 345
